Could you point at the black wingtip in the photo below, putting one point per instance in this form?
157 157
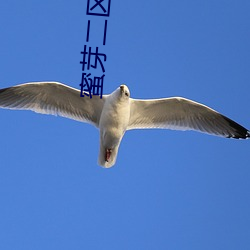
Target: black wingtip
248 134
239 131
3 90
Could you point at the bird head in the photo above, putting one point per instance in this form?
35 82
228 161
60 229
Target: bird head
124 91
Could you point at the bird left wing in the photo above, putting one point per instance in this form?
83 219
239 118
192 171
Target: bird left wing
53 98
182 114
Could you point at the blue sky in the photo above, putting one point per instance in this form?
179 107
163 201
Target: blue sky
168 189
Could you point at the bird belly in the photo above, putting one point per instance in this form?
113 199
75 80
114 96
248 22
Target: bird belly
113 125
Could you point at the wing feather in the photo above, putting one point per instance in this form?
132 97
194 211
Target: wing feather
182 114
53 98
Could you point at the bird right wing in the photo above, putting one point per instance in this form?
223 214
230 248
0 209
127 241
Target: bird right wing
53 98
182 114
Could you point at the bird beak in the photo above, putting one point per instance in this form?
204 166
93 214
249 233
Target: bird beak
122 88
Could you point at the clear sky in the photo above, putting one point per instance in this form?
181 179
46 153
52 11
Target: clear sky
168 189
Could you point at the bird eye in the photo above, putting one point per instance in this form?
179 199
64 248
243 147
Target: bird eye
126 93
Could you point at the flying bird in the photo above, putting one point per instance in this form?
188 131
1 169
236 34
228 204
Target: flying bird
116 113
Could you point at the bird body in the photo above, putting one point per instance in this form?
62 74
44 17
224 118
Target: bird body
113 124
116 113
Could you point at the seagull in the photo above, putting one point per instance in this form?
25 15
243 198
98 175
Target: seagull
116 113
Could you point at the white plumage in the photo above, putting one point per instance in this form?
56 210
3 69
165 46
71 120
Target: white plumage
117 112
